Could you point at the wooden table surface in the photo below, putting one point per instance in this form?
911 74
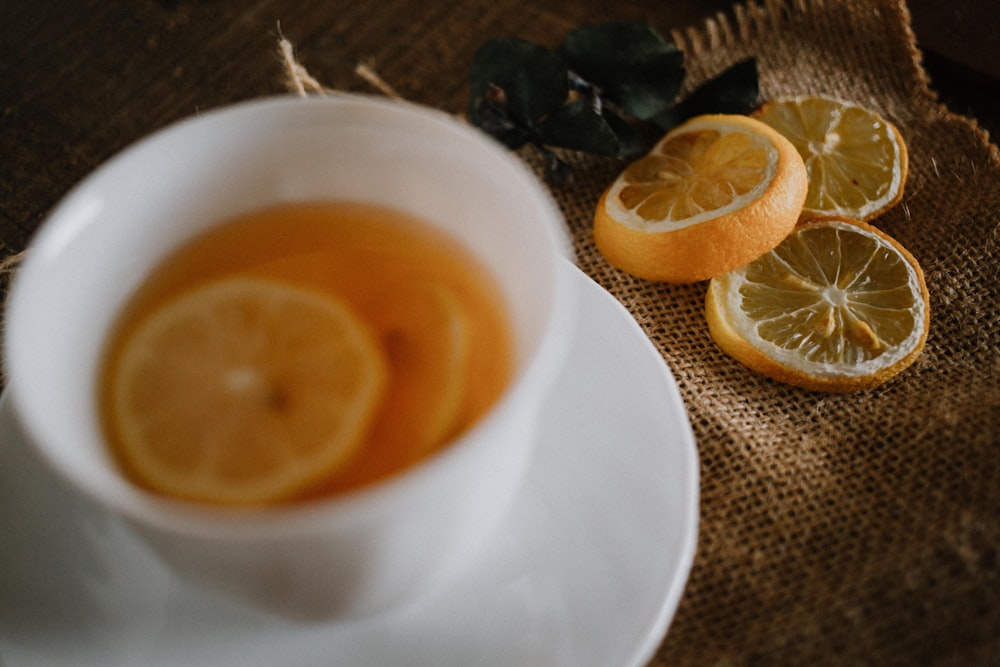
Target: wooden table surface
81 80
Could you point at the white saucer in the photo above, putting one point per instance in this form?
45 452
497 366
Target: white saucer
587 570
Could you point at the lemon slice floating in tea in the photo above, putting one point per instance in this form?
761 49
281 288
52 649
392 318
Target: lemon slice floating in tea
857 160
244 391
838 306
713 194
426 335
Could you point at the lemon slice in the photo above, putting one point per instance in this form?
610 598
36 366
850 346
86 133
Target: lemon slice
426 335
857 160
713 194
838 306
244 391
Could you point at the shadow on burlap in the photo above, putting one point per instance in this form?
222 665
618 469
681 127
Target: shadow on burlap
842 530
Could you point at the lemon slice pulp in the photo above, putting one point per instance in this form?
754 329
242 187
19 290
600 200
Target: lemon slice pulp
244 391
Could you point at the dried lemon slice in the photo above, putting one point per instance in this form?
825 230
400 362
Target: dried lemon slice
838 306
713 194
857 160
243 391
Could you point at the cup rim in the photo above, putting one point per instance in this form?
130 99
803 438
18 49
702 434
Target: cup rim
191 518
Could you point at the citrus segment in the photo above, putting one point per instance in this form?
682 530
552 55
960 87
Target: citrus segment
838 306
426 335
857 161
713 194
244 391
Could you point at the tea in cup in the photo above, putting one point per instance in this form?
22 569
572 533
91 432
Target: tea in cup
302 350
416 259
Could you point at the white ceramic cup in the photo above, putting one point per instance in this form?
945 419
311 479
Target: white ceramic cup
354 555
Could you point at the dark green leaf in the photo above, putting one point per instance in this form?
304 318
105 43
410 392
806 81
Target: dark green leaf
557 172
630 62
493 118
735 91
629 144
514 84
579 127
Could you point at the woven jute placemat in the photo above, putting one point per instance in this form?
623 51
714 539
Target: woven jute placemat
842 530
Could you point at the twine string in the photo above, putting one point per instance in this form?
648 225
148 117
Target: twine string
298 79
9 263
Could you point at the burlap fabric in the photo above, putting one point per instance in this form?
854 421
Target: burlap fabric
843 530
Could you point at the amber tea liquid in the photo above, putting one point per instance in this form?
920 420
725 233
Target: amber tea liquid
368 257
